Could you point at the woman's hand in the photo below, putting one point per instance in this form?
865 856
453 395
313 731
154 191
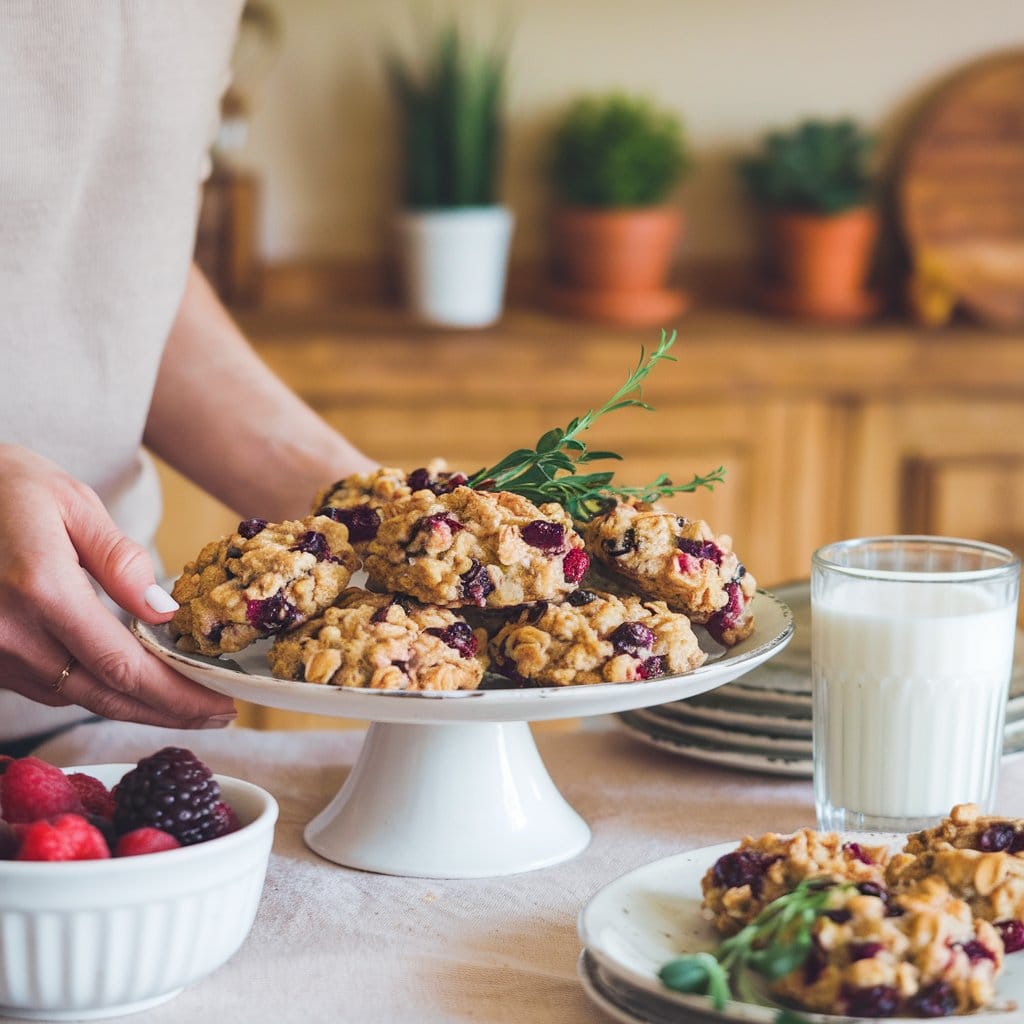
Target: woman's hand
53 531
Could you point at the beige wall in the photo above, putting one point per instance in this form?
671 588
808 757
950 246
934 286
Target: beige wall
322 136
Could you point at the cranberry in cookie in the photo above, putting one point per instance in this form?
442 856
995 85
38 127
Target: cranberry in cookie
465 548
382 642
261 580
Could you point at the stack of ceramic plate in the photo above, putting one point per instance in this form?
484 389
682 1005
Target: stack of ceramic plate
762 721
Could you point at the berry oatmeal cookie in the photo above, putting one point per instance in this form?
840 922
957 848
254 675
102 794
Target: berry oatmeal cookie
740 884
595 638
922 955
992 884
383 643
679 561
261 580
355 500
966 828
489 549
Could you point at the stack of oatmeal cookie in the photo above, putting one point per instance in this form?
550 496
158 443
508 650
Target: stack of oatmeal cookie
461 580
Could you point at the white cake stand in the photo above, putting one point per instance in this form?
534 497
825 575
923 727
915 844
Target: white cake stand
450 785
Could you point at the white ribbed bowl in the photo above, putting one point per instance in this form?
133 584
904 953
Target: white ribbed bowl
81 940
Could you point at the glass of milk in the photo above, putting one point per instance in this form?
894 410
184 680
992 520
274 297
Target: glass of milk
911 651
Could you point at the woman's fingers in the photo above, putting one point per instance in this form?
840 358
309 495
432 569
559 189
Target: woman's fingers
83 688
120 566
51 530
113 657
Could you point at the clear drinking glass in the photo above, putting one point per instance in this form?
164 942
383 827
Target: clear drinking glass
911 650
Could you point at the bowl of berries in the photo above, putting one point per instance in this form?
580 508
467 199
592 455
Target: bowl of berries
120 884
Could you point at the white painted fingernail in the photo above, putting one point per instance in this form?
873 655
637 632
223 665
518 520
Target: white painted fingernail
159 600
219 721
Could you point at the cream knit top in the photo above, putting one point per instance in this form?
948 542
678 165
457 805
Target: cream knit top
107 112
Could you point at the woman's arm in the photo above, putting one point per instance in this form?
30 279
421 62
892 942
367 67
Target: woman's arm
222 418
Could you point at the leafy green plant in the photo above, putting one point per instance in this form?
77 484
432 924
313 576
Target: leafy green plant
617 150
450 111
818 167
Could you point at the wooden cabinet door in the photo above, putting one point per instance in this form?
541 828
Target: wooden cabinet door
945 466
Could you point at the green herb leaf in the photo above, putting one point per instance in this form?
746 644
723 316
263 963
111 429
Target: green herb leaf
775 943
789 1017
687 974
700 974
548 471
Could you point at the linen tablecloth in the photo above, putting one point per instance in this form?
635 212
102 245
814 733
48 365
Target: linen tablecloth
332 944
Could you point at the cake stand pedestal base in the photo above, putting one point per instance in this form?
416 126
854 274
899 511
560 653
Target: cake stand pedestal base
467 800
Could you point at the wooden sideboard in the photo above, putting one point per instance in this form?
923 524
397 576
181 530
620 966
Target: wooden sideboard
825 432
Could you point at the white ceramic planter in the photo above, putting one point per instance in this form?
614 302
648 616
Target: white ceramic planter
454 263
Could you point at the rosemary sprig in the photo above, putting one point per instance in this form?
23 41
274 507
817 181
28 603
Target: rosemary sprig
550 470
776 942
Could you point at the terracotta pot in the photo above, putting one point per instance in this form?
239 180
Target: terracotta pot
615 250
818 264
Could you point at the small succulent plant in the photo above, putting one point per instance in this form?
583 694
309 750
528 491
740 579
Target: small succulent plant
450 111
817 167
617 151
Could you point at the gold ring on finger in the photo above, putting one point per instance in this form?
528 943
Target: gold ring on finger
58 683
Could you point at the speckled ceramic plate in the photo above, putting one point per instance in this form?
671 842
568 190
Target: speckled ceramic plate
636 924
246 677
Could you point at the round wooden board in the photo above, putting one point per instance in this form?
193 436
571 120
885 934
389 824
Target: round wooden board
960 195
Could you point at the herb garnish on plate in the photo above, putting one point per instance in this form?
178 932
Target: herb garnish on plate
776 942
551 470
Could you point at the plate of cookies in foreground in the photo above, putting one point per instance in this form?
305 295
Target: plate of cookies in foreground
818 926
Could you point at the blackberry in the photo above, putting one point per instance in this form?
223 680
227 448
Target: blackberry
171 790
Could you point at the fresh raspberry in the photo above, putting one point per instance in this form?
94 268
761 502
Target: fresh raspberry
227 820
96 798
31 789
67 837
144 840
171 790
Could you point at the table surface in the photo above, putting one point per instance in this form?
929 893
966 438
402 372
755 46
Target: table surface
332 943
